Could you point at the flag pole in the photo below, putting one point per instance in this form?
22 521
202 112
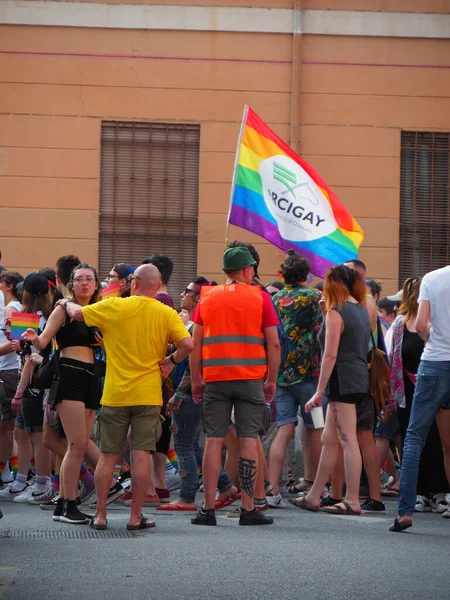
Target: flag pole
241 135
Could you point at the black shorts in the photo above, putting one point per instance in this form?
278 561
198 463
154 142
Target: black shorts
78 381
31 417
365 410
163 444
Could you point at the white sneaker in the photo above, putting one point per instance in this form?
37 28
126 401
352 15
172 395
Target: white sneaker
8 493
439 503
26 494
446 514
173 482
275 501
7 476
422 504
40 497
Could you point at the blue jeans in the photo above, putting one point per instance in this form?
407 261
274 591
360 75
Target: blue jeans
432 393
186 431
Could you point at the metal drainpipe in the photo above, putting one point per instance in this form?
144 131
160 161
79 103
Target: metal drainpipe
294 141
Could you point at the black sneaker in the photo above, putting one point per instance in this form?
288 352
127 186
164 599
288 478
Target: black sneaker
328 501
114 493
59 508
124 477
73 515
373 506
205 517
254 517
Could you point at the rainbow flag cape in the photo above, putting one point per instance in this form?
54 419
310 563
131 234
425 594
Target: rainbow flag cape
278 196
112 291
20 322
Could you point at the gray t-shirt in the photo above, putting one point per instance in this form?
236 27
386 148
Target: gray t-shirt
435 288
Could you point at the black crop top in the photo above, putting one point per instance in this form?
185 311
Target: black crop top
75 333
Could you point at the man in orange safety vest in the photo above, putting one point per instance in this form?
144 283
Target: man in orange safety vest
234 364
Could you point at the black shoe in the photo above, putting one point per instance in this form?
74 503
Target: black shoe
205 517
124 477
59 508
1 515
329 501
373 506
254 517
115 492
73 515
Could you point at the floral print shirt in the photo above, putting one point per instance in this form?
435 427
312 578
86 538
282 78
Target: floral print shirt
301 317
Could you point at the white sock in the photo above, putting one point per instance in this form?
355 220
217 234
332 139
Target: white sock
19 485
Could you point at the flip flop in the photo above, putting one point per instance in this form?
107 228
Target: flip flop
172 507
301 503
97 526
390 493
338 510
397 525
222 503
144 524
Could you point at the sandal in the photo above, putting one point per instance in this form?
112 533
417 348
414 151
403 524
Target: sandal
341 508
173 506
302 503
223 502
98 526
299 487
397 525
144 524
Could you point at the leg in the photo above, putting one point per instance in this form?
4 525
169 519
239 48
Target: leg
248 468
6 439
328 456
260 493
338 475
231 463
345 419
443 421
185 427
103 474
25 452
371 460
139 480
212 460
277 454
73 419
42 455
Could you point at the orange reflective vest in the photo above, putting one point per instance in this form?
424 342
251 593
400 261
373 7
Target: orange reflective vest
233 341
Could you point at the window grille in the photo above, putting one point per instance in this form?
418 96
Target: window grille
424 203
149 196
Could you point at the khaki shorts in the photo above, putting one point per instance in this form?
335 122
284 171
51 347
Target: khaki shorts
247 398
8 385
114 422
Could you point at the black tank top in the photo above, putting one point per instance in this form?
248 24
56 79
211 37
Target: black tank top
75 333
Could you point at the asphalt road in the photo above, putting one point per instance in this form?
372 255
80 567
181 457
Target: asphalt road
301 556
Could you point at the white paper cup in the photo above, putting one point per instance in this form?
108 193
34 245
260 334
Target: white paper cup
317 417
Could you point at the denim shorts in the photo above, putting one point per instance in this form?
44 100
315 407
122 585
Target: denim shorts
387 430
289 399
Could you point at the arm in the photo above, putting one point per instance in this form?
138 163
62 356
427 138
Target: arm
423 320
54 324
273 361
6 348
373 312
75 311
195 364
334 326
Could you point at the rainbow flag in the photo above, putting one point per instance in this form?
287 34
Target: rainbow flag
112 291
278 196
20 322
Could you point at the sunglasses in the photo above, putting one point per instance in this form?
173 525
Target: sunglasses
132 276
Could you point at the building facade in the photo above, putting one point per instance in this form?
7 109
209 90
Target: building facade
119 122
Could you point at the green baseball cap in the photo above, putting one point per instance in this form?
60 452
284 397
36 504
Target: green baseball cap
235 259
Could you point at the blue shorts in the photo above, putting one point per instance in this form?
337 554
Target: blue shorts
387 430
289 399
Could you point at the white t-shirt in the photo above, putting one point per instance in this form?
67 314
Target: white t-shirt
435 288
9 361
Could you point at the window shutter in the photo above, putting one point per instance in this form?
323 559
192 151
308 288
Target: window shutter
424 203
149 196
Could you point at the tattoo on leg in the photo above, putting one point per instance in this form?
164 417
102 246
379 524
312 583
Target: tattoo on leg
247 475
341 434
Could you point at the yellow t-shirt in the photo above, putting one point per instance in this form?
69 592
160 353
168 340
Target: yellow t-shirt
136 331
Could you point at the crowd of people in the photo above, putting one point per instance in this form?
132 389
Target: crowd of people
130 400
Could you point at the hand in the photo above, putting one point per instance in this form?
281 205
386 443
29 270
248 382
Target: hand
166 366
269 391
62 303
173 406
15 345
16 404
99 339
30 335
315 401
197 392
36 359
322 305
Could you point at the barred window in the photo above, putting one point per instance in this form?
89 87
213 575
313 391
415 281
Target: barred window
424 203
149 196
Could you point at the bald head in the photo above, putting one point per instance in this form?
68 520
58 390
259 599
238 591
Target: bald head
147 280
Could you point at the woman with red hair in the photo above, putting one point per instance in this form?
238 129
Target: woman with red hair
344 376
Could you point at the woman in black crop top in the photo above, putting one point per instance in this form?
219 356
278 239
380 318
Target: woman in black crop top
79 392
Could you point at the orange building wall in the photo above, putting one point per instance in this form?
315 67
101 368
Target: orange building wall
354 95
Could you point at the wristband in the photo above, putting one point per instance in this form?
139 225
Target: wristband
172 360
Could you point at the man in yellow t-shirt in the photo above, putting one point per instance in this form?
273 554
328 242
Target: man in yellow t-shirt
136 333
